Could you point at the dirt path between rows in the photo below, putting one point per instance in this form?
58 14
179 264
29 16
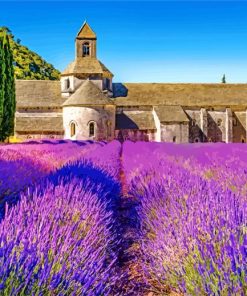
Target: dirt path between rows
134 283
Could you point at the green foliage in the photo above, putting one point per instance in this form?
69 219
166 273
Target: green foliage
2 78
223 80
7 88
28 64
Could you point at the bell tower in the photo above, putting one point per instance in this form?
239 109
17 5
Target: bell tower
86 66
86 42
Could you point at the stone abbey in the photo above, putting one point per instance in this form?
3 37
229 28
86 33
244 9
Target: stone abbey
85 104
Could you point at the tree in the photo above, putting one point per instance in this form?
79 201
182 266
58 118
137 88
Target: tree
7 89
223 80
7 31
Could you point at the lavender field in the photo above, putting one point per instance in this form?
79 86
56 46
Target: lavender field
96 218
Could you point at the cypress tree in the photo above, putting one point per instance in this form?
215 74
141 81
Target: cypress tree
223 80
7 89
2 82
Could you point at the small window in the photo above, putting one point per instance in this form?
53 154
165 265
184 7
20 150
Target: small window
72 129
107 83
174 139
86 49
91 129
243 140
68 83
193 122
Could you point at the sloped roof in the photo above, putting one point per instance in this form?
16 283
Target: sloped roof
135 120
171 114
38 93
87 94
182 94
87 65
241 116
86 32
39 124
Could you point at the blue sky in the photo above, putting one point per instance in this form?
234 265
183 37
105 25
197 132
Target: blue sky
140 41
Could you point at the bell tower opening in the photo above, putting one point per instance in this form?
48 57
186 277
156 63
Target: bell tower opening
86 49
86 42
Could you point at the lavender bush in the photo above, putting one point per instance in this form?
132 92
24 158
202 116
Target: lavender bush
88 218
61 238
193 230
23 165
60 243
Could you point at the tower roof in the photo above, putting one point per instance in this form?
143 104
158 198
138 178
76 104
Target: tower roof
87 66
86 32
87 94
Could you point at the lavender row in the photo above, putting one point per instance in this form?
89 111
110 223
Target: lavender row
23 165
193 236
62 238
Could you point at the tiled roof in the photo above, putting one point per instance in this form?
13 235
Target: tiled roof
171 114
180 94
135 120
87 65
38 93
87 94
39 124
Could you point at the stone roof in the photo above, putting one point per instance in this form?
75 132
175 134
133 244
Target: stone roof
181 94
46 93
87 65
39 124
171 114
135 120
86 32
87 94
241 117
38 93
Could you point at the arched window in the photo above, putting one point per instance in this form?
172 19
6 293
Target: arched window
174 139
86 49
72 129
91 129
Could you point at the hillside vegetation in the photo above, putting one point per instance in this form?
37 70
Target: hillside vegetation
28 64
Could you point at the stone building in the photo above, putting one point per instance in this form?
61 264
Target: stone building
86 104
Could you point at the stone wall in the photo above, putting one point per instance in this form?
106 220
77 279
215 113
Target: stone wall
23 136
79 45
216 126
195 126
157 136
239 126
175 132
74 84
83 116
135 135
221 125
